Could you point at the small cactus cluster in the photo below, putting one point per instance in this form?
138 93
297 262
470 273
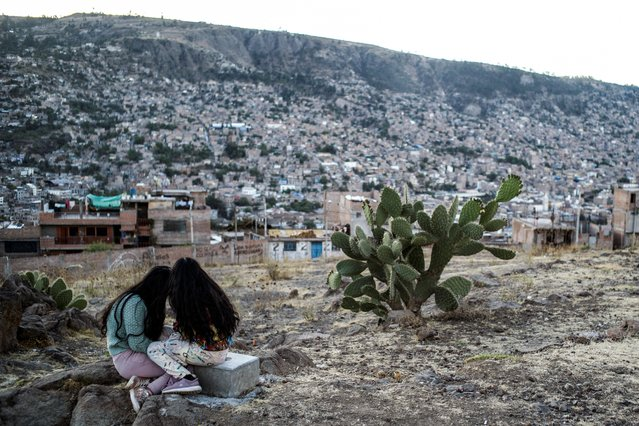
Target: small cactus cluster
398 276
58 290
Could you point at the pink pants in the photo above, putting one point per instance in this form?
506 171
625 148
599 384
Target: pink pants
129 363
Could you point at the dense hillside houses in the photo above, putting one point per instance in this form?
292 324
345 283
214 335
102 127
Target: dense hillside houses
95 104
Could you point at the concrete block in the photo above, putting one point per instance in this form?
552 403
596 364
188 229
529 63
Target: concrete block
234 377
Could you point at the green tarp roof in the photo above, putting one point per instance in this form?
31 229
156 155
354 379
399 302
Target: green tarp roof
99 202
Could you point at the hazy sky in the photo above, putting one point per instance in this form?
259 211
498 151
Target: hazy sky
560 37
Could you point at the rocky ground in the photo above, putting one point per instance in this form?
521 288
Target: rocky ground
549 339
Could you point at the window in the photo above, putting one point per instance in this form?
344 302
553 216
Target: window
90 231
184 204
290 246
73 231
101 231
633 198
20 247
174 225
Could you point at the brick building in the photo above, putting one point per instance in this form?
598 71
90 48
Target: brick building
162 218
625 216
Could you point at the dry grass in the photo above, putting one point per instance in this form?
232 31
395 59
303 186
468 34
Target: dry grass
309 314
463 314
517 288
494 357
108 284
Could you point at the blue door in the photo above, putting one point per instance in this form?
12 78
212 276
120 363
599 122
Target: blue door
316 249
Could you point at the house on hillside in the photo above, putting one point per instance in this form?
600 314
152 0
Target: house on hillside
163 218
343 210
69 226
541 232
625 216
288 244
168 218
19 241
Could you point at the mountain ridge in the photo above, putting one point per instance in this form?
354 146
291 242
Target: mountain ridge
262 49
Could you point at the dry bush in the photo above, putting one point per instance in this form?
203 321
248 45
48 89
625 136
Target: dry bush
275 273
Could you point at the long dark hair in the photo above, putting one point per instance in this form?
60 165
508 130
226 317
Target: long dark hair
153 290
199 303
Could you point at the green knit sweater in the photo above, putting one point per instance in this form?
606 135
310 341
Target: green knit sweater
130 334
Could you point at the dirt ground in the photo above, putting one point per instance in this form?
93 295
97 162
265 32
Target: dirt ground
539 340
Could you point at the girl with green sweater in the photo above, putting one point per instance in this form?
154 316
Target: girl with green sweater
130 323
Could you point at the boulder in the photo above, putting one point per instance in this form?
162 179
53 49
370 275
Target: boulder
32 332
10 314
26 294
284 361
63 322
35 407
38 309
627 328
100 405
61 356
174 410
101 373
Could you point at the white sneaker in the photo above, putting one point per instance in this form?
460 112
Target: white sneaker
138 395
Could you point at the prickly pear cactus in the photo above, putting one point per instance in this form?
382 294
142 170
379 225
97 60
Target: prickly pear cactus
58 290
388 269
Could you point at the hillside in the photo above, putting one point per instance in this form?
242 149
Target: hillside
122 100
549 339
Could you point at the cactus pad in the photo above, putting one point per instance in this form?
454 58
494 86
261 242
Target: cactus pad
391 202
79 303
334 280
440 222
356 287
349 267
401 228
57 286
350 304
501 253
340 240
509 189
63 298
450 292
470 211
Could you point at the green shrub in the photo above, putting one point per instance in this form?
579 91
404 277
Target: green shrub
98 246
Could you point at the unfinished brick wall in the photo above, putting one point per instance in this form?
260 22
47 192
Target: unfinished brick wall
83 264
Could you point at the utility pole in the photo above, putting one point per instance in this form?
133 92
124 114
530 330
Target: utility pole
325 248
265 221
578 214
191 220
235 233
634 224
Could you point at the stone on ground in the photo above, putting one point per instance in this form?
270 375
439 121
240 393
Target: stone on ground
100 405
234 377
34 407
